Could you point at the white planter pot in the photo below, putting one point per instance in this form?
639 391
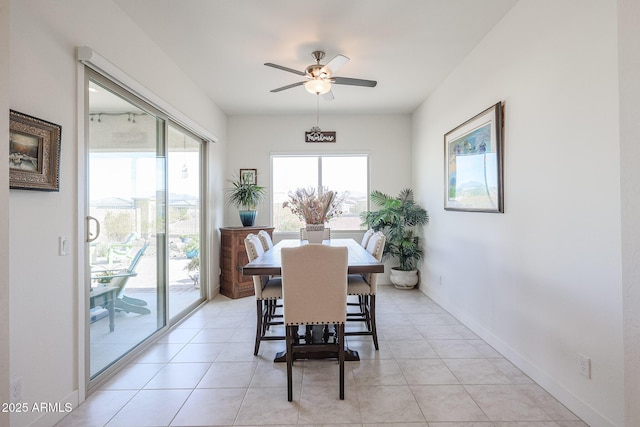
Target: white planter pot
315 233
404 279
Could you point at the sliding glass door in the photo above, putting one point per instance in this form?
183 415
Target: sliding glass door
184 219
143 219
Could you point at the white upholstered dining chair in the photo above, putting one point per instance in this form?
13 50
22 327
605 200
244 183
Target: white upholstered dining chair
314 286
268 290
365 287
366 237
267 243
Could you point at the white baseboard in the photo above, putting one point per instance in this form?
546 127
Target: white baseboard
588 414
52 414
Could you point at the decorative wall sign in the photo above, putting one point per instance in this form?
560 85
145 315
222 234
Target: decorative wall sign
317 135
473 164
34 153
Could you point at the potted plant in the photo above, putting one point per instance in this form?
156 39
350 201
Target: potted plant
246 196
397 219
314 209
192 247
193 270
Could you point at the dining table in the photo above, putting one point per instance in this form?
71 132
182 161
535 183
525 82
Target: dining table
360 261
270 263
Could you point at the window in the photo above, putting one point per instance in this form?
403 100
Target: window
346 174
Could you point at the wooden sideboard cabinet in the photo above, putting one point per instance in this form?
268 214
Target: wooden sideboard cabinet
233 256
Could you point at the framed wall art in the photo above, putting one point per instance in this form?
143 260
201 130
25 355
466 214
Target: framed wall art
34 153
249 176
473 163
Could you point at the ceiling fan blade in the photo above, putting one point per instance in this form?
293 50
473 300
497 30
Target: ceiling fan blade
287 87
328 96
354 82
282 67
333 65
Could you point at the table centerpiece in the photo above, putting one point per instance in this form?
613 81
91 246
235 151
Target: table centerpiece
314 209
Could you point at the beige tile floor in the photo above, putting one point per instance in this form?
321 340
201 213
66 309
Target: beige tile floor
430 371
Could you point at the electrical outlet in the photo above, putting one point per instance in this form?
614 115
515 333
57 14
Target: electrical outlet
16 390
584 366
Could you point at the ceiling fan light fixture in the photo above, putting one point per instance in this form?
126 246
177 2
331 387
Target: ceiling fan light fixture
319 77
317 86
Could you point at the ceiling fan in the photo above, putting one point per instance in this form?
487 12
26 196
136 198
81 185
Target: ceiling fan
320 77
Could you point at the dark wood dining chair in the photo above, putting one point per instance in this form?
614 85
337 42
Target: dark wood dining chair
314 289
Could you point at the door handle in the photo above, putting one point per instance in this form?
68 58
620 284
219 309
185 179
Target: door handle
90 236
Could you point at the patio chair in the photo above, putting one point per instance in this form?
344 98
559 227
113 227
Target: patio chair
120 280
121 249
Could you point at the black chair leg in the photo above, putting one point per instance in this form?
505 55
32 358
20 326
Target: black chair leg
372 314
266 319
366 312
270 312
259 326
289 339
341 343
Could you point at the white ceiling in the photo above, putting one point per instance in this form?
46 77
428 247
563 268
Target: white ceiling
407 46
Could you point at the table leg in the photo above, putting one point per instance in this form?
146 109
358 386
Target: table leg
349 355
325 334
112 311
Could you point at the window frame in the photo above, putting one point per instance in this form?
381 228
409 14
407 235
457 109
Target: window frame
89 74
319 155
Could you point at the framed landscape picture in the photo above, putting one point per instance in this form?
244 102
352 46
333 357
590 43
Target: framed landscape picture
34 153
473 163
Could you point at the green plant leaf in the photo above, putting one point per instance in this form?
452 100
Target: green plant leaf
245 194
397 218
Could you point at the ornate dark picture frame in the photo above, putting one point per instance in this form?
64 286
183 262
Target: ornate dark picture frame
473 163
249 176
34 153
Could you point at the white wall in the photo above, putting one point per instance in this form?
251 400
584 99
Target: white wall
541 282
629 45
45 287
252 139
386 138
554 256
4 208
